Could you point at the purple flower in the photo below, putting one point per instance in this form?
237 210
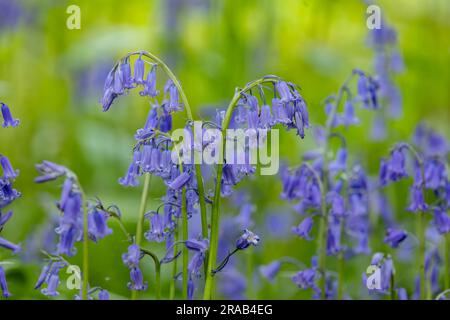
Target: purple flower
270 270
337 204
4 219
137 280
435 174
334 238
349 118
132 257
306 279
394 237
125 69
246 239
7 117
103 295
157 230
50 171
174 104
9 245
97 227
150 84
139 68
133 172
397 168
304 228
8 171
180 181
52 286
7 193
402 294
417 201
441 221
3 284
340 163
165 122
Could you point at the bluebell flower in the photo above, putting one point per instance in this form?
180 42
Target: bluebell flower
394 237
49 171
157 230
52 269
306 279
8 171
127 79
150 125
417 200
402 294
174 103
246 239
441 221
435 174
270 270
165 121
139 69
3 284
70 227
8 120
265 120
9 245
7 192
180 181
97 226
279 112
150 83
334 238
337 203
132 257
103 295
304 228
137 280
130 179
4 218
349 118
397 165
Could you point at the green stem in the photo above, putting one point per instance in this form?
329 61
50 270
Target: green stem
215 213
85 281
323 228
174 267
421 222
140 222
185 237
157 272
250 274
447 261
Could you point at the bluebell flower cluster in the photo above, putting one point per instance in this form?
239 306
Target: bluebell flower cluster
7 195
50 276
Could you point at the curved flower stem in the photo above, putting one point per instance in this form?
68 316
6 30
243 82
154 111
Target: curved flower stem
420 221
198 172
323 228
157 272
140 222
85 280
215 214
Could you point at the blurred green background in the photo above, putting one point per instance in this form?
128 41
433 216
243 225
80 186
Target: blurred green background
52 78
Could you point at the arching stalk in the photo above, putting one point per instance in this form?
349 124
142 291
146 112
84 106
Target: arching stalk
215 213
198 174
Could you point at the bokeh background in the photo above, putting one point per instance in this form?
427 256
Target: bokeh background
52 78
